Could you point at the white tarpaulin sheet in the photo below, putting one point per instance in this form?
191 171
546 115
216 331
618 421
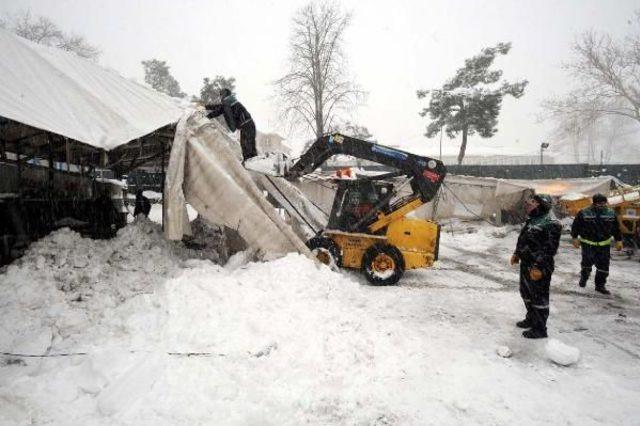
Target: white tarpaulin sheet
469 197
558 187
307 216
57 91
204 172
472 197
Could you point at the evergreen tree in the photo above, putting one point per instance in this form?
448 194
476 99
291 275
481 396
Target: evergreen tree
157 75
211 88
470 102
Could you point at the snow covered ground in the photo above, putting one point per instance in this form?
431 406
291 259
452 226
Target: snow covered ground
158 338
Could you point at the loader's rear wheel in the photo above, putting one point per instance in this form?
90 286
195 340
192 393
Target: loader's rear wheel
326 251
383 264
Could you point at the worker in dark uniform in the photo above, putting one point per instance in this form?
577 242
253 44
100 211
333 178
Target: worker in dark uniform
537 245
105 216
237 117
143 205
594 229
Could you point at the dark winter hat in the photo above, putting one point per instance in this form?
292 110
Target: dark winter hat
224 92
545 200
599 198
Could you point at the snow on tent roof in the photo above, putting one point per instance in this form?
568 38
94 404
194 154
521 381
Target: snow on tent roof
57 91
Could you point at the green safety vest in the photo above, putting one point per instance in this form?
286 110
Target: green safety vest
597 243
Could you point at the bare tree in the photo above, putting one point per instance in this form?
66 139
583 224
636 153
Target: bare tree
609 74
317 87
615 133
607 77
591 136
42 30
572 122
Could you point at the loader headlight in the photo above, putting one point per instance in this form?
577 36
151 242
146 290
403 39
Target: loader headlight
432 164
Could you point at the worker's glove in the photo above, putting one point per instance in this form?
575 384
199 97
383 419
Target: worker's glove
619 245
576 243
514 259
535 274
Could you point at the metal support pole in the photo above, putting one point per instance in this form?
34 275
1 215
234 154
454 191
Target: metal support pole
18 155
51 177
50 157
3 142
20 188
543 146
162 184
67 146
440 158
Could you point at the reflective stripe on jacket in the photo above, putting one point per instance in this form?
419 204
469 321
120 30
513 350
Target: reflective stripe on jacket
597 243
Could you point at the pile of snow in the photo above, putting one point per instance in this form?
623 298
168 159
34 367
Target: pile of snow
159 331
504 351
290 342
561 353
65 284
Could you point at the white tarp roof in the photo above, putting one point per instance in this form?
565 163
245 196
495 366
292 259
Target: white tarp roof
559 187
57 91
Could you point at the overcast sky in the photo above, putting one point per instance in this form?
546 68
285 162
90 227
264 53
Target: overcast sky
394 48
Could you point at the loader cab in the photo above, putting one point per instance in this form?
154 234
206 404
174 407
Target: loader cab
354 200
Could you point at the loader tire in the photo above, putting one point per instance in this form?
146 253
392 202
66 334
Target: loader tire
326 251
383 264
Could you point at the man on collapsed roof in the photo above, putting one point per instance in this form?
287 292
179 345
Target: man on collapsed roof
237 117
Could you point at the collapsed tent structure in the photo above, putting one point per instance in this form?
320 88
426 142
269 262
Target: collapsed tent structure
501 200
469 197
204 172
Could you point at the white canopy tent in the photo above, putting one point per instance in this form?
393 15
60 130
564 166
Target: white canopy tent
59 92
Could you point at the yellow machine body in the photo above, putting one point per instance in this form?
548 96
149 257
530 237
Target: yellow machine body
417 240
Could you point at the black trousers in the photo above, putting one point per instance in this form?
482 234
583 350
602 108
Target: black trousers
599 256
248 140
535 295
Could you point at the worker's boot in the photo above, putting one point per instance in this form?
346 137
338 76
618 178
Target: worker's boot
525 323
585 272
534 333
602 289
